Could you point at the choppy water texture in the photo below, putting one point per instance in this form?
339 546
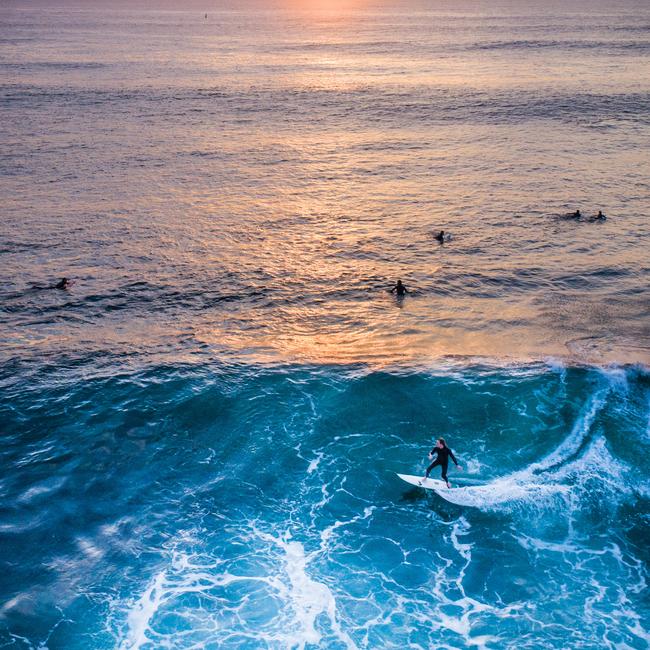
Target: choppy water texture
200 437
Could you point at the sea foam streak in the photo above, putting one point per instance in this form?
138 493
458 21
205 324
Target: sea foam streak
536 482
300 599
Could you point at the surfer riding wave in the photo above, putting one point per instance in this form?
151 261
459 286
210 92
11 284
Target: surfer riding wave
442 453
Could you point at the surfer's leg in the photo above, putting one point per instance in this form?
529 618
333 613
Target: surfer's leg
444 474
435 462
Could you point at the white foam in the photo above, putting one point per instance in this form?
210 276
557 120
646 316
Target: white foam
313 464
499 492
473 466
327 533
596 470
46 487
443 586
305 609
14 603
544 478
142 612
89 549
596 580
571 444
307 598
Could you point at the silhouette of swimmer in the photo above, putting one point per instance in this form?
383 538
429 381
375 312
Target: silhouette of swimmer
598 217
399 289
576 214
440 237
64 283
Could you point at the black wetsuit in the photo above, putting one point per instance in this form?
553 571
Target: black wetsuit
442 459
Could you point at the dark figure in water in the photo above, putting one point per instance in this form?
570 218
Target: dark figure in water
64 283
440 236
577 215
599 217
399 289
443 453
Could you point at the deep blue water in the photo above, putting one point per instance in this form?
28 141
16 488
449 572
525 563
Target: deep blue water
236 506
200 437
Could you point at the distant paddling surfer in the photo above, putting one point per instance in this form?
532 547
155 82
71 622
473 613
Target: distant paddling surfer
442 453
64 283
399 289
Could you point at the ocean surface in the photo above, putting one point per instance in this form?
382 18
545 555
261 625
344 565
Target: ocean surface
199 438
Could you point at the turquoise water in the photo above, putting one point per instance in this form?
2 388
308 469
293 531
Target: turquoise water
200 437
237 506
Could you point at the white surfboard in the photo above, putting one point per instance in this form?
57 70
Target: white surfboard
489 494
420 481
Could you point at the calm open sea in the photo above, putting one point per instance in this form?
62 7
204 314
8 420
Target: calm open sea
199 437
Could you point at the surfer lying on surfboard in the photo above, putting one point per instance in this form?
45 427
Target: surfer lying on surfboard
442 453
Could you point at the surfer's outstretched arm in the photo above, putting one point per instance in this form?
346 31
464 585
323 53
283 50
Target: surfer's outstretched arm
451 453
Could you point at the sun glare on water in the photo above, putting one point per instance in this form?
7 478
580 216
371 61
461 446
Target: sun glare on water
328 6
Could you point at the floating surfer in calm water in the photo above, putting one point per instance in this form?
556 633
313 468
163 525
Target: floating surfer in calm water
64 283
442 237
442 453
399 289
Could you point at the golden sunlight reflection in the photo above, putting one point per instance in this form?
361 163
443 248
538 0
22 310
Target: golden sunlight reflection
390 333
327 9
348 250
309 169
